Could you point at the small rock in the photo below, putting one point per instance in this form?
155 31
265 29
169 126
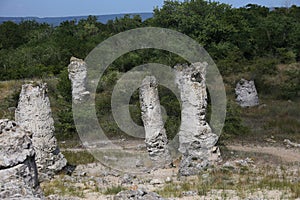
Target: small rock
139 163
168 180
137 195
245 162
126 179
114 173
205 176
156 182
141 147
189 193
270 140
291 144
108 158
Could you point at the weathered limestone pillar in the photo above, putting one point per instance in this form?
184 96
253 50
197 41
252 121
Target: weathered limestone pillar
246 94
156 138
34 114
77 74
197 141
18 171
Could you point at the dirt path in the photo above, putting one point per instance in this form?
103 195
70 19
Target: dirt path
286 155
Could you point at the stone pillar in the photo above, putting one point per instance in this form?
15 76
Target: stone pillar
156 138
246 94
34 114
18 171
196 139
77 74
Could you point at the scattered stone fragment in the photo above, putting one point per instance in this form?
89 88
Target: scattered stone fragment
190 193
291 144
126 179
156 182
246 94
77 74
110 158
137 195
139 163
196 139
156 138
246 162
168 180
235 165
34 114
18 171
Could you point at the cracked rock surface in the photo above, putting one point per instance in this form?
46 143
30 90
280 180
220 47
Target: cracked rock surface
156 138
34 114
196 139
246 94
18 171
77 74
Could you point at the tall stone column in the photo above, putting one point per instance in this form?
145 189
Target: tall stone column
156 138
197 141
77 74
34 114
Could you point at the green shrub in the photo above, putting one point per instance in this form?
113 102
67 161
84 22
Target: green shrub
233 123
290 89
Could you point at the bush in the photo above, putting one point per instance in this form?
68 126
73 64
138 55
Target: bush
286 56
233 122
290 89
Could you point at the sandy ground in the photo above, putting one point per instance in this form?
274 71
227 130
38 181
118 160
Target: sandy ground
155 180
286 155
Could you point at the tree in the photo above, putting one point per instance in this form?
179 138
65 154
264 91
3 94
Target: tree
10 36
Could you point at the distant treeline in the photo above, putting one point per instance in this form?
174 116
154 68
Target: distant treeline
56 21
233 37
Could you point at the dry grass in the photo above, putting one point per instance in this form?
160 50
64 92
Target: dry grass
78 157
61 187
277 118
241 183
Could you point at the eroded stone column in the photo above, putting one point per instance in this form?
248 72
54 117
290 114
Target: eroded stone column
156 138
77 74
18 171
34 114
246 94
196 139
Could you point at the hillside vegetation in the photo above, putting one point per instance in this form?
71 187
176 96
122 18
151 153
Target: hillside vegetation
252 42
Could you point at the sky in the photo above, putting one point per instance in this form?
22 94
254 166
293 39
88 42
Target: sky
59 8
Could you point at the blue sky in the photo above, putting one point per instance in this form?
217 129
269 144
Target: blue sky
51 8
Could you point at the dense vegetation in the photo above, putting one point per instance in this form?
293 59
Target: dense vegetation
251 41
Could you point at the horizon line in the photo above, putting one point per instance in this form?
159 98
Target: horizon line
78 15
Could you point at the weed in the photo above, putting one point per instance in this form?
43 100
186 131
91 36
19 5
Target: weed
114 190
61 187
80 157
